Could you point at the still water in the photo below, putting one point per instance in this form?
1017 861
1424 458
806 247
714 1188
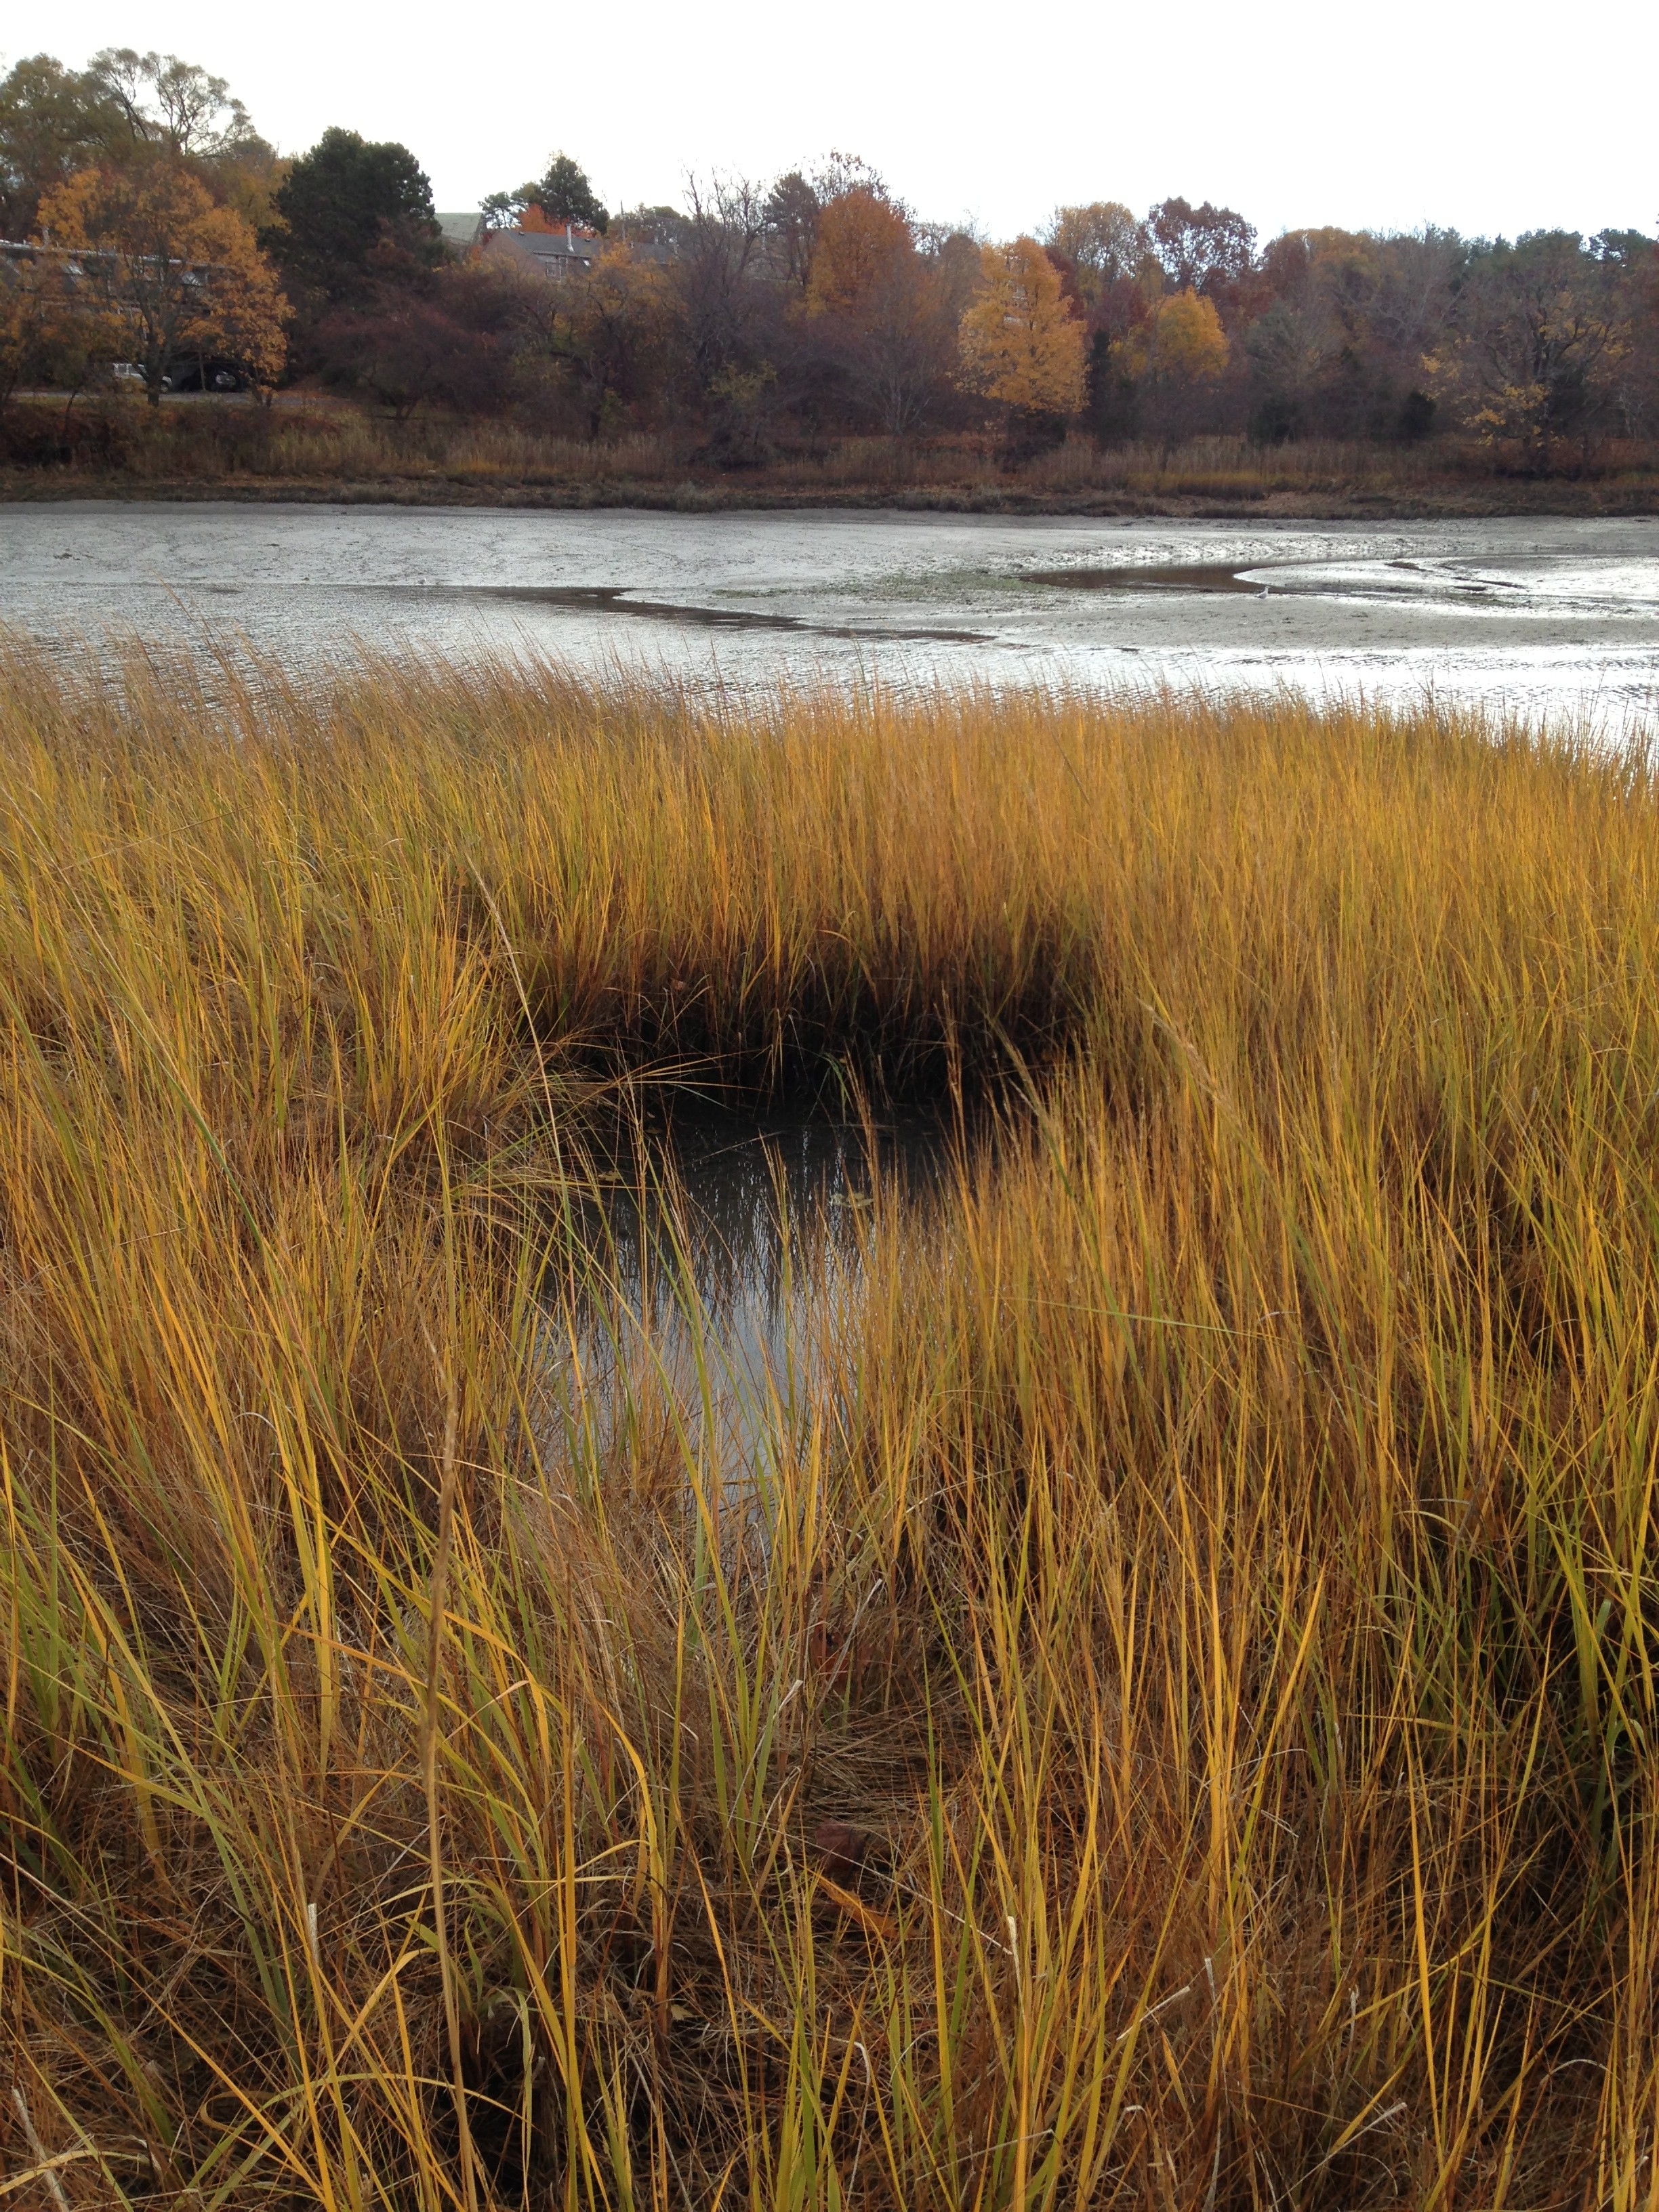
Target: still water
727 1269
1554 620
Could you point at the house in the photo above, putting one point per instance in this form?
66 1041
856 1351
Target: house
558 254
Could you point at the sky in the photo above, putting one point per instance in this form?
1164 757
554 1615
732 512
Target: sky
1483 118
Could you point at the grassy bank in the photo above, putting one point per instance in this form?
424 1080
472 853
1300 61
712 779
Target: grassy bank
1171 1720
310 449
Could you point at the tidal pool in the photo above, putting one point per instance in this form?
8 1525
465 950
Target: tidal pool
1554 620
718 1277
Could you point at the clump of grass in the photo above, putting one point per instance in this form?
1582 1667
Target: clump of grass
1162 1710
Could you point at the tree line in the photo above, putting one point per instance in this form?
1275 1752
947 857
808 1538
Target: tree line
147 222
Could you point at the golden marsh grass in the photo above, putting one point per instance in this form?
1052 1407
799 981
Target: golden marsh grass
1169 1717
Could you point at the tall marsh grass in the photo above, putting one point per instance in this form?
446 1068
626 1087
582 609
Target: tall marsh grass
1167 1718
311 440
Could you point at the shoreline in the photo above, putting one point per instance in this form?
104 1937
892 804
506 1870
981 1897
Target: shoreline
1559 498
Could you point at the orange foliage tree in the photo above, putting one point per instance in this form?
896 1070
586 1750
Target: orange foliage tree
882 305
1022 345
170 274
862 239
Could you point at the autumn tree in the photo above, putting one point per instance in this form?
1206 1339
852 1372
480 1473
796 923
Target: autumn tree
1538 334
1337 324
600 348
55 122
171 274
452 342
1104 243
879 308
40 330
790 211
1176 359
860 238
1184 340
1206 249
1021 346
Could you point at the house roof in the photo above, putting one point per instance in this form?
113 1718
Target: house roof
464 229
545 249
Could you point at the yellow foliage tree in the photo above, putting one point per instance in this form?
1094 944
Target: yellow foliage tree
1176 359
171 274
1183 344
1021 342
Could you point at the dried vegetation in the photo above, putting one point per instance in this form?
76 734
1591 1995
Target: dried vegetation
1165 1713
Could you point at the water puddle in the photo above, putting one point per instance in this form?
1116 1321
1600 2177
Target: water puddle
725 1273
617 600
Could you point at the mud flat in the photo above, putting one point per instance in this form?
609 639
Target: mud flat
1555 619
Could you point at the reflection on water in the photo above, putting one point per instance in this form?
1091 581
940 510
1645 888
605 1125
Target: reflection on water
723 1275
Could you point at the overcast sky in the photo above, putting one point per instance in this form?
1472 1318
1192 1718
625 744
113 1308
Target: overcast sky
1483 117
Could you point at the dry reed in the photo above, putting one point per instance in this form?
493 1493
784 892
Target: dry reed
1168 1715
311 443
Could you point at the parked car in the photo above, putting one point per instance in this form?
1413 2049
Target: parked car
192 375
208 375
